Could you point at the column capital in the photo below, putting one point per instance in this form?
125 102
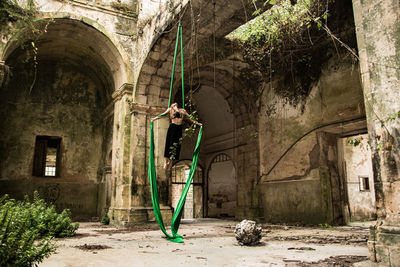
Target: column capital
126 88
145 109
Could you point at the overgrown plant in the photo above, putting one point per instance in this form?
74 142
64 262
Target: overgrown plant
290 39
105 220
20 21
27 229
380 143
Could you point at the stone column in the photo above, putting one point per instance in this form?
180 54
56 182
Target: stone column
121 152
378 37
141 193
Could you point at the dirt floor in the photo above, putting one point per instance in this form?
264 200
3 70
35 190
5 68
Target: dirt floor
211 242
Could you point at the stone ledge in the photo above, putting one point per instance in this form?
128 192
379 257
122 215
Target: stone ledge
138 215
145 109
104 9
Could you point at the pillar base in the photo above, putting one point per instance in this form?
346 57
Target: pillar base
384 244
138 215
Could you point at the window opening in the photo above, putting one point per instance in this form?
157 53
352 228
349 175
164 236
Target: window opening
364 183
47 156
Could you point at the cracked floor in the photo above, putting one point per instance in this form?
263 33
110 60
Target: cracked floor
211 242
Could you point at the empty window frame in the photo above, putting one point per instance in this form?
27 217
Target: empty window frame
364 183
46 161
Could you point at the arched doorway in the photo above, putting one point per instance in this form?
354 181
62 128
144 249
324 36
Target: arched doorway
194 207
222 187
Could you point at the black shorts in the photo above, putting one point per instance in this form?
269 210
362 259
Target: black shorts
173 142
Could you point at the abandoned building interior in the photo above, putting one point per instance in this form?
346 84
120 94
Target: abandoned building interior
75 118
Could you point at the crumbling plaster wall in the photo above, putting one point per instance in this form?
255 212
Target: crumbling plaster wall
357 162
64 102
378 37
105 30
304 186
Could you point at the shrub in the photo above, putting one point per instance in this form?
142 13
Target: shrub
105 219
27 229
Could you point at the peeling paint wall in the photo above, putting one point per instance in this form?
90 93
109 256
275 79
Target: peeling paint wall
64 102
378 38
357 164
222 189
305 185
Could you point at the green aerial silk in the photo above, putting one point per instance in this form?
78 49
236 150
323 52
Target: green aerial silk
176 218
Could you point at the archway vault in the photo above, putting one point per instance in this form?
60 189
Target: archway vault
80 42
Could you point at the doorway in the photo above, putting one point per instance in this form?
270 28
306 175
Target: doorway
356 167
194 200
222 187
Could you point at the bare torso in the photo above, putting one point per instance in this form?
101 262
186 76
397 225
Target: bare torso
177 115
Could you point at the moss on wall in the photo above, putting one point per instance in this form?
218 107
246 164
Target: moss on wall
65 102
336 96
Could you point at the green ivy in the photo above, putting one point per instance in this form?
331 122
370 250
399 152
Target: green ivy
354 142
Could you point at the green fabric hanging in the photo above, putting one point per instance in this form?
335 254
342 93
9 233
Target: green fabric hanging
176 218
178 34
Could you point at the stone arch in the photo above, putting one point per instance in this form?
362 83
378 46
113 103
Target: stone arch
90 36
155 71
152 82
68 96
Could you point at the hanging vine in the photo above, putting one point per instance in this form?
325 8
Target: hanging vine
293 39
22 23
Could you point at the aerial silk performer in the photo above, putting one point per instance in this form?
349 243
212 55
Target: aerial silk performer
172 152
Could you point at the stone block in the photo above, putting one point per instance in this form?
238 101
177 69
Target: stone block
142 88
248 233
144 79
154 55
154 90
158 81
164 72
165 42
164 92
153 100
141 99
148 69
